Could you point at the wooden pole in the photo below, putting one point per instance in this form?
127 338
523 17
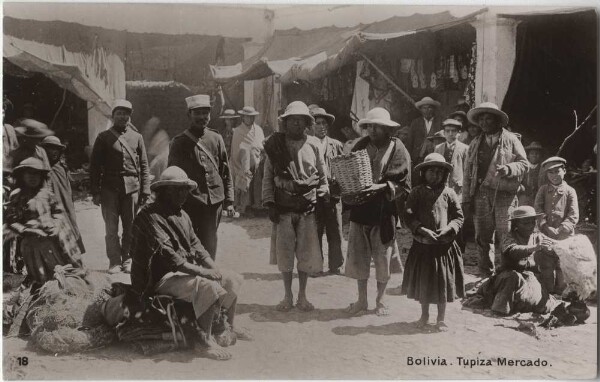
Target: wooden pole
388 79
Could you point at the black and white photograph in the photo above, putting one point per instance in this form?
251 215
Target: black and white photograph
296 191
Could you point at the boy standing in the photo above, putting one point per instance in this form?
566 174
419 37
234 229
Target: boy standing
557 200
530 183
455 153
294 178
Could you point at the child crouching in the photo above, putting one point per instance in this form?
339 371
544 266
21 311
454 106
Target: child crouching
434 267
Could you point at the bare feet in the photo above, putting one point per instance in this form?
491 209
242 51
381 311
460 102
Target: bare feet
210 349
441 326
422 322
303 305
285 305
356 308
381 309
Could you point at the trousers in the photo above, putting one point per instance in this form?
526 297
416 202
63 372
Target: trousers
117 205
329 221
206 220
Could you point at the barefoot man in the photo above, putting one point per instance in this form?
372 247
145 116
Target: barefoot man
373 224
294 177
168 259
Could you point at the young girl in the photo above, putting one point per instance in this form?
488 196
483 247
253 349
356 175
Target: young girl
434 268
32 214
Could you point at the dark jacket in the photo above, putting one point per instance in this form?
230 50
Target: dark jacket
417 134
214 183
112 166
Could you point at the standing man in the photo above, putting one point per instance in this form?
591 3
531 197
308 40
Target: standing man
201 153
420 128
496 163
230 120
246 149
29 135
329 213
120 182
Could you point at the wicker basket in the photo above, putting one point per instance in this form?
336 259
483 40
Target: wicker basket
352 172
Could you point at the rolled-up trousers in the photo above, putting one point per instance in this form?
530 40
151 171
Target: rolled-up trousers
117 205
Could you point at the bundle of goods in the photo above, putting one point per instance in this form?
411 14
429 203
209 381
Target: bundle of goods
567 314
578 264
355 177
65 315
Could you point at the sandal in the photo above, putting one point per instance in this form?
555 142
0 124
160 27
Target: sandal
304 306
441 326
382 310
420 324
355 309
284 306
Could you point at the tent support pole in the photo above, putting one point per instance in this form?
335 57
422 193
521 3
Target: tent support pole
62 103
388 79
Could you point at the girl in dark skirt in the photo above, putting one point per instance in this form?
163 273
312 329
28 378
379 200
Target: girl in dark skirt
434 268
33 214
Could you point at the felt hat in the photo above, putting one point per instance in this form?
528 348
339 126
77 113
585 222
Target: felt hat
121 103
198 101
378 116
534 146
553 162
427 101
174 176
33 129
297 108
462 105
53 141
458 113
487 107
229 114
31 163
434 159
320 112
248 110
438 135
523 212
452 122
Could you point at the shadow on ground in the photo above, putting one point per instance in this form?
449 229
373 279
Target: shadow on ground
267 313
264 276
395 328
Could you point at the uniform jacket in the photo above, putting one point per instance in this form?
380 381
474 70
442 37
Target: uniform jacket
111 165
417 134
509 151
561 208
455 180
214 183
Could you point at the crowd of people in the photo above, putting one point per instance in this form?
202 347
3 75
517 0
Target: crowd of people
434 176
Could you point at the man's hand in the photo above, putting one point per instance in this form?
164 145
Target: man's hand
96 199
34 232
212 274
502 170
446 231
273 214
306 184
428 233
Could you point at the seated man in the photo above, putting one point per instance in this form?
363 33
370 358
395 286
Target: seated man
168 259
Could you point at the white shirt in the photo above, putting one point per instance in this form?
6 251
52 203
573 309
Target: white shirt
428 124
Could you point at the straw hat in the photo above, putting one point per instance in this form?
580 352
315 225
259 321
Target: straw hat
534 146
427 101
378 116
174 176
198 101
121 103
553 162
52 141
248 110
31 163
523 212
297 108
229 114
487 107
320 112
452 122
33 129
434 159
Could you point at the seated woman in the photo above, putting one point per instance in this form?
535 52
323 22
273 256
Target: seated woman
518 287
33 214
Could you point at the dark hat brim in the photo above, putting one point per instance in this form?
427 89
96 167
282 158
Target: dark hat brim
190 184
436 163
526 216
22 131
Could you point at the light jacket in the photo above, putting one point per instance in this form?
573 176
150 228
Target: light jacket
455 180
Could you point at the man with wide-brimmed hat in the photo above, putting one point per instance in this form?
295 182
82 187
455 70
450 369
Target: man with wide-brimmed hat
420 128
60 183
29 134
201 153
294 178
230 120
530 183
246 150
168 259
120 182
373 223
496 163
329 213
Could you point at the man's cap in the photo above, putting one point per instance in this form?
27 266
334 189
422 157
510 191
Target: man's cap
198 101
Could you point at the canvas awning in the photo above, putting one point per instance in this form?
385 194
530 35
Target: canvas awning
96 78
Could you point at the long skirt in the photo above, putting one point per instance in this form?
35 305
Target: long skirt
41 255
434 273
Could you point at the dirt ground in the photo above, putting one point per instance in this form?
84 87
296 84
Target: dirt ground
325 343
